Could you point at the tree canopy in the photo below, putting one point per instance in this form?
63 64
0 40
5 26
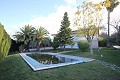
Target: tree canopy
88 20
64 34
111 4
25 35
40 34
5 42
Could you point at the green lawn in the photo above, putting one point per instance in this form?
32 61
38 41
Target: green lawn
109 55
14 67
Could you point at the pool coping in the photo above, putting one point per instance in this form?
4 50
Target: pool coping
35 65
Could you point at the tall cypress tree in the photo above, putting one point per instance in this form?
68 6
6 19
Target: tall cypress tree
64 34
5 42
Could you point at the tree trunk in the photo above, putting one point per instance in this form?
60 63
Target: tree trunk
37 49
91 49
71 46
27 46
44 47
64 47
116 38
108 37
38 46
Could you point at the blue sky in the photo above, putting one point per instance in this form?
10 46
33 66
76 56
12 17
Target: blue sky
15 13
18 11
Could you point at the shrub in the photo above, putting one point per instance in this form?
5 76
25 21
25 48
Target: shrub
5 43
21 48
83 46
55 43
14 47
102 42
113 41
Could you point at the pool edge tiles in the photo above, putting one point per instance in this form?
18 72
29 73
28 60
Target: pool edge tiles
35 65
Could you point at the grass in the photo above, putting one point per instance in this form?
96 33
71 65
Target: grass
109 55
14 67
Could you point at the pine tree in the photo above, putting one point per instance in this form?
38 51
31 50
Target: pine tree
55 43
64 34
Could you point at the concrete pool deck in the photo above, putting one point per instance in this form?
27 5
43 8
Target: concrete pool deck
35 65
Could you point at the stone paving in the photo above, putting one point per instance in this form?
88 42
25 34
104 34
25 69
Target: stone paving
112 66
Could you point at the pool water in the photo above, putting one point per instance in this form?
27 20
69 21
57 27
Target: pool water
40 61
50 59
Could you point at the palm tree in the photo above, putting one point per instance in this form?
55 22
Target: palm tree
46 42
41 33
25 35
110 5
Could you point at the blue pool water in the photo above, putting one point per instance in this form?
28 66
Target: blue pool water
48 59
41 61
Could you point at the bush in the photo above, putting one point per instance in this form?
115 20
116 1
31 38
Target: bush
83 46
112 41
14 47
21 48
55 43
5 43
102 42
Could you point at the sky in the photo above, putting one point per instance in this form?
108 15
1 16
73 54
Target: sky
14 14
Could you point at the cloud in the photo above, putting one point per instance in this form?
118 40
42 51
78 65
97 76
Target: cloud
113 15
13 29
70 1
52 22
95 1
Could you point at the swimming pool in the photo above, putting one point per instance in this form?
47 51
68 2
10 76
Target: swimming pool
41 61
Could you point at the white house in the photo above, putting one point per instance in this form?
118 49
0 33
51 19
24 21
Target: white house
76 39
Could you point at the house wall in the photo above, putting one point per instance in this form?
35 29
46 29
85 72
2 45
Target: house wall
77 39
